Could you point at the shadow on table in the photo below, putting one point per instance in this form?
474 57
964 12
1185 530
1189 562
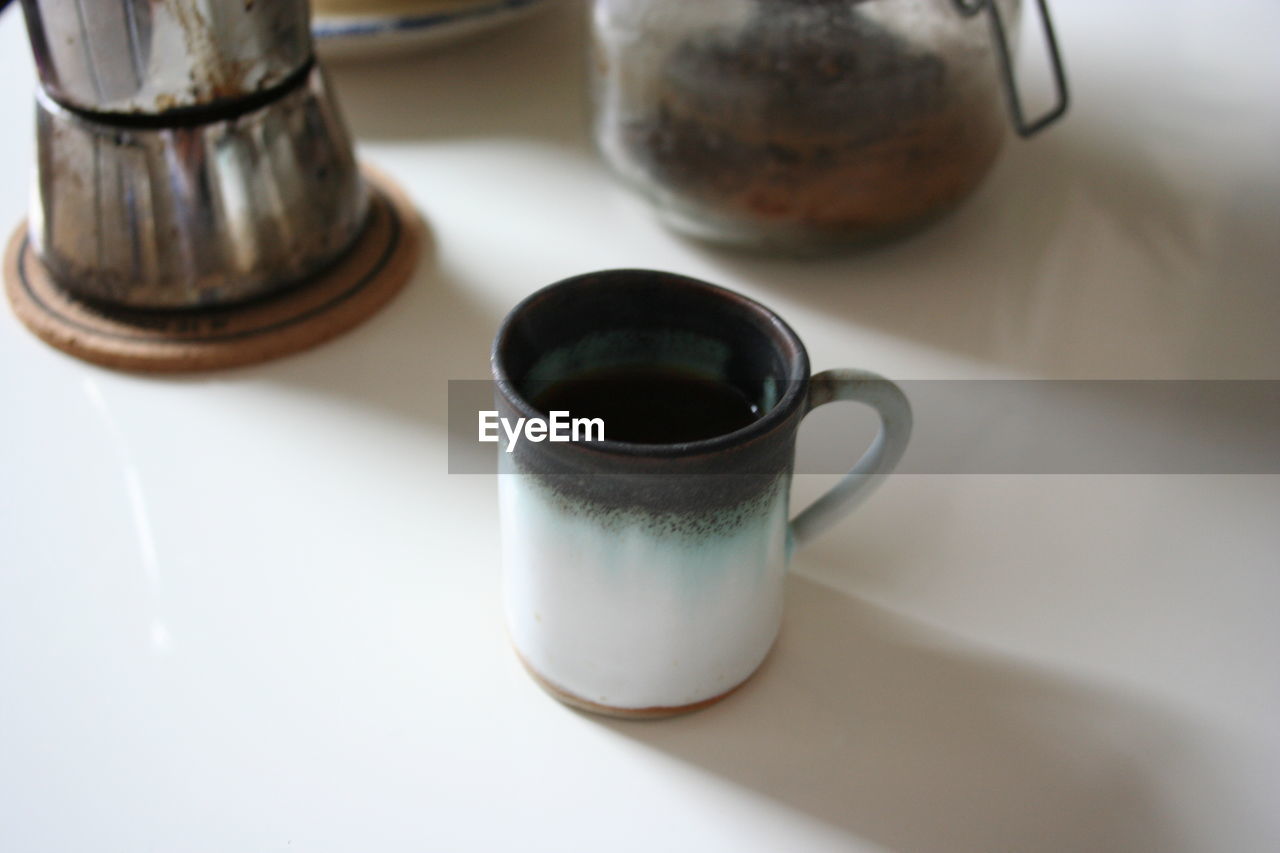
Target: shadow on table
399 361
524 81
898 736
1082 254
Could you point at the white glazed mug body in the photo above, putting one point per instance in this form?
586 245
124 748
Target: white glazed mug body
627 611
647 579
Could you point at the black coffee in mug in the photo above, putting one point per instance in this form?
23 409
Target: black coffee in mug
652 404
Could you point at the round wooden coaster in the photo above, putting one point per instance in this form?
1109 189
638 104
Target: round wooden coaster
360 283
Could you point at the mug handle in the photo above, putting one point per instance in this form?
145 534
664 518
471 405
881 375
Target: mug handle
882 456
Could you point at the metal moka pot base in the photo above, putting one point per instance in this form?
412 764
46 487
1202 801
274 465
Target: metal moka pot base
193 209
352 288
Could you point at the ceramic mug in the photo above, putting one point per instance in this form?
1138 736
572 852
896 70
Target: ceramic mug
645 580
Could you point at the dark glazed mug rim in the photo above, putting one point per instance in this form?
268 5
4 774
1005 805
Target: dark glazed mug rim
786 341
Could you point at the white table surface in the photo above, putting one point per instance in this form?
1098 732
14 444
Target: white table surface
251 610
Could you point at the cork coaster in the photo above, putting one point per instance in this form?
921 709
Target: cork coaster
309 313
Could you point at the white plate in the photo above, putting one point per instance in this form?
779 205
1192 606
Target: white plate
374 36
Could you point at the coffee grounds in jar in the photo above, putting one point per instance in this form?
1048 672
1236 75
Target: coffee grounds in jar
814 117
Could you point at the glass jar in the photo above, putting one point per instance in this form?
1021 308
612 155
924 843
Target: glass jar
798 124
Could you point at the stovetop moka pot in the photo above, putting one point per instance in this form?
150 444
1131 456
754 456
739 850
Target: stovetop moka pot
188 151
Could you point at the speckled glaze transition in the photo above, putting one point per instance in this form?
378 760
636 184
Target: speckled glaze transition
647 579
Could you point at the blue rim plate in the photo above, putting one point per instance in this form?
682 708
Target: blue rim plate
376 35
